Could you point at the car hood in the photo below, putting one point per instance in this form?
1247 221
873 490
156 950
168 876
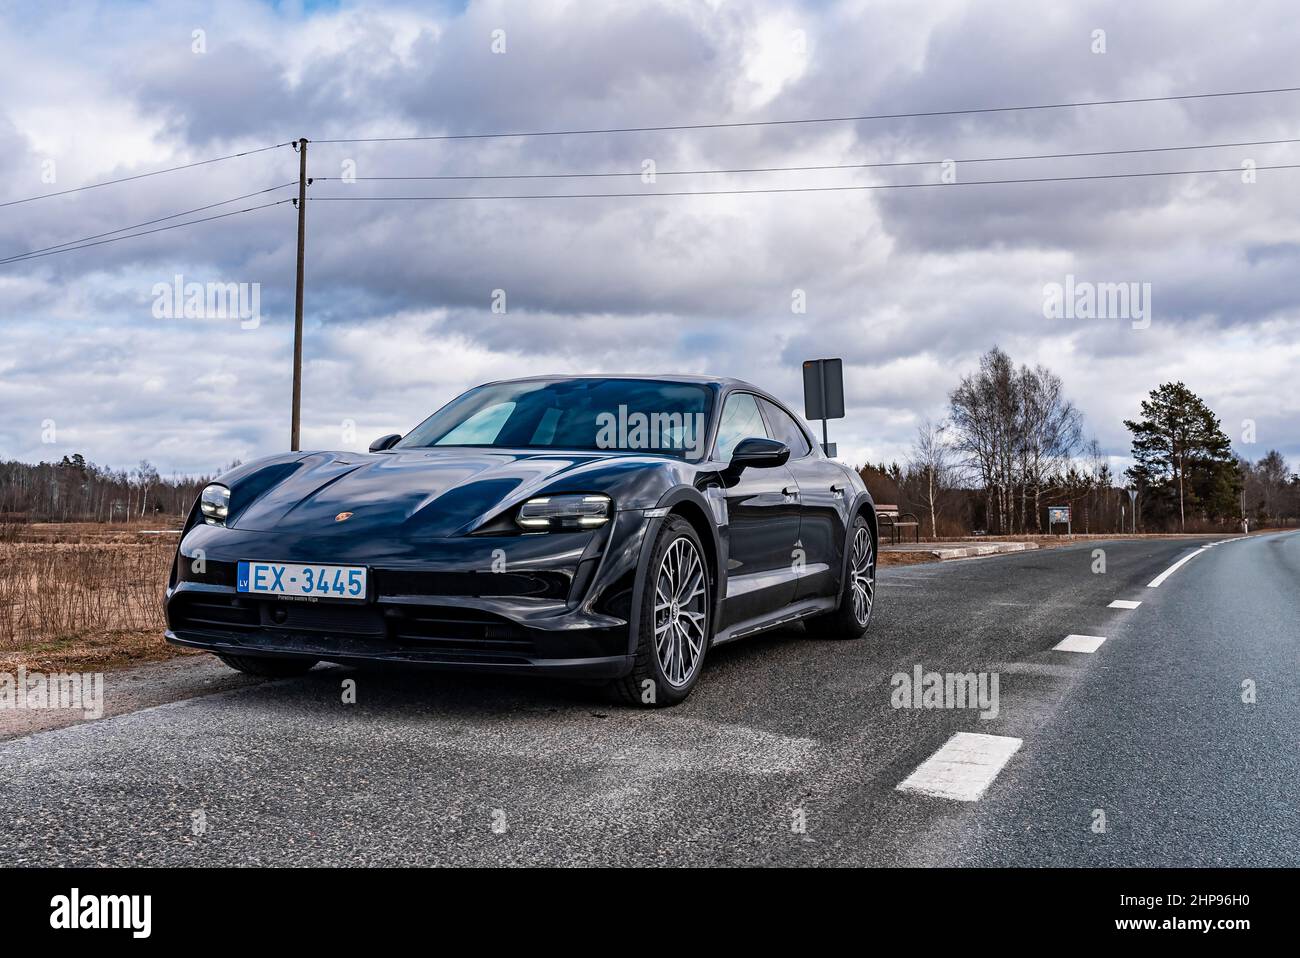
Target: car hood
418 492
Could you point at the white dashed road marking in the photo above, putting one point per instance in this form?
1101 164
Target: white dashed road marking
964 768
1080 643
1124 604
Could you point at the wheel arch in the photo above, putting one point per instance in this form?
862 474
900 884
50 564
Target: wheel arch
699 520
866 508
690 505
862 506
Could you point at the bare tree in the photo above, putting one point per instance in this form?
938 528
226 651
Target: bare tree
931 466
980 429
1016 429
1265 487
148 476
1051 431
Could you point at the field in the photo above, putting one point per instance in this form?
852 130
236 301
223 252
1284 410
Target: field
83 595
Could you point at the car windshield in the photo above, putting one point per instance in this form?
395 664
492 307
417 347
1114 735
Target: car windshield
619 415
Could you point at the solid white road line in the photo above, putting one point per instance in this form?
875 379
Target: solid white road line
963 768
1123 604
1155 583
1079 643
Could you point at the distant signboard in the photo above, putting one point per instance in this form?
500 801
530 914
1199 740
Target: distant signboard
1059 514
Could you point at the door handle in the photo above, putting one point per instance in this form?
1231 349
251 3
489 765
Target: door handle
791 491
837 488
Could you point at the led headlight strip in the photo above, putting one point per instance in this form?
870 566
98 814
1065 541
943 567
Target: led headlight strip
548 513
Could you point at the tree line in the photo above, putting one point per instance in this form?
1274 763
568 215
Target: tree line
1014 444
74 490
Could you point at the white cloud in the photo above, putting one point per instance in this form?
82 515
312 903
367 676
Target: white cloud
908 286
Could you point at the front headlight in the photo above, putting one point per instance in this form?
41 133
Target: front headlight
214 503
554 513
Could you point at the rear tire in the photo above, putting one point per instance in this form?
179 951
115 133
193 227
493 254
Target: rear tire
858 592
268 668
674 621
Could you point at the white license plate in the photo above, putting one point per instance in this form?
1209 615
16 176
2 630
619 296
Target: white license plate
309 581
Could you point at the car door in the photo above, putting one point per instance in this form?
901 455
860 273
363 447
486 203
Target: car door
762 519
824 500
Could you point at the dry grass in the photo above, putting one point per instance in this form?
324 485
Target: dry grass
884 558
82 594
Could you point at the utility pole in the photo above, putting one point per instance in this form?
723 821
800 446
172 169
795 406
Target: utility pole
297 304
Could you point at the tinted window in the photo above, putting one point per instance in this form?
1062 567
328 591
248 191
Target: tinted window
786 429
622 415
740 420
479 429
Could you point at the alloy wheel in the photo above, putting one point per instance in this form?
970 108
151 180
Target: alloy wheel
862 576
681 612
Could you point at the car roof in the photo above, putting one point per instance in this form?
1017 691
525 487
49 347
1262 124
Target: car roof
720 381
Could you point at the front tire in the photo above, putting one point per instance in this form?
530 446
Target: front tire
858 593
268 668
674 620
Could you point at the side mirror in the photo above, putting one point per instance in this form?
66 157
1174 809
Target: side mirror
759 453
384 442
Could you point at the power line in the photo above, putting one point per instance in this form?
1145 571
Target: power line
134 226
819 168
140 176
160 229
803 189
826 119
88 241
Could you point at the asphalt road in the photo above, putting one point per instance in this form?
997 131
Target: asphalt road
789 752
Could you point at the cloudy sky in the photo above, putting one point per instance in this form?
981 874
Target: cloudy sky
910 286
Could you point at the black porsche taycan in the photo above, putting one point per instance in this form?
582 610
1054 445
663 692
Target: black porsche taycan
612 527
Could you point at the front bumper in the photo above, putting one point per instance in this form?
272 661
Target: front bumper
555 604
349 650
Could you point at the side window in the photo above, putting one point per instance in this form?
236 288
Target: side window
786 429
740 420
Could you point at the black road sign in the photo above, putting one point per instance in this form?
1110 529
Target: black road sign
823 395
823 389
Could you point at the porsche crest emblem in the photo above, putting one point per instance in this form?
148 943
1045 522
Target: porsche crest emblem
342 515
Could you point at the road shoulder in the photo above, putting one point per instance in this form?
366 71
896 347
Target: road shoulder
130 690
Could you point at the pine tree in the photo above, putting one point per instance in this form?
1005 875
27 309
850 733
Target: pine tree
1183 455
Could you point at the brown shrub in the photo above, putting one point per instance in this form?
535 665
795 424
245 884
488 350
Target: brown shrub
89 580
